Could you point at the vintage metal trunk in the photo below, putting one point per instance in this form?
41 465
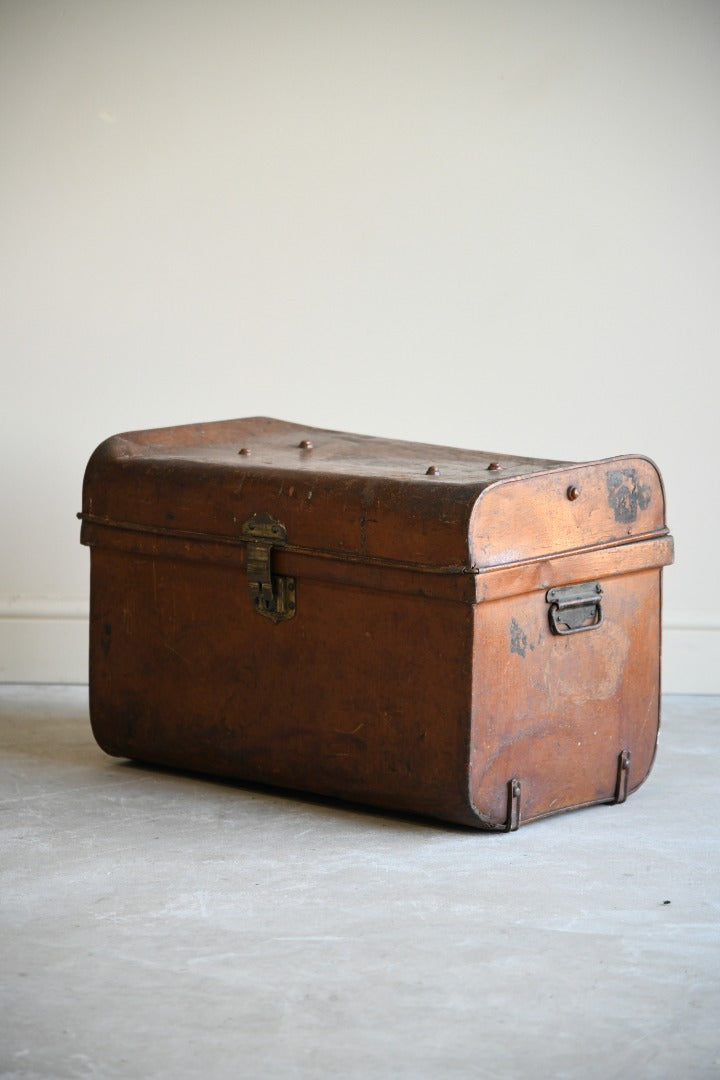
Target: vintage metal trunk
470 636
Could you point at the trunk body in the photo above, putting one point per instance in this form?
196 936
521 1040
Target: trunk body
374 620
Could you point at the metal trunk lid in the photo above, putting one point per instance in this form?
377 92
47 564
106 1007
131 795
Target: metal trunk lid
364 499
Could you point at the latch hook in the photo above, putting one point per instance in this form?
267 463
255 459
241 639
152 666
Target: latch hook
272 596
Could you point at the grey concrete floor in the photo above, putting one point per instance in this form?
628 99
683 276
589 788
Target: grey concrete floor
159 925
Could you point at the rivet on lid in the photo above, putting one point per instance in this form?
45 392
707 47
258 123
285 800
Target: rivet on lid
494 466
433 470
305 444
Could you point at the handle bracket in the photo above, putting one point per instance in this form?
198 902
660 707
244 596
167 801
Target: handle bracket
574 608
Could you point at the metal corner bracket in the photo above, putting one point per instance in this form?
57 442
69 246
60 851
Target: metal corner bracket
623 776
514 789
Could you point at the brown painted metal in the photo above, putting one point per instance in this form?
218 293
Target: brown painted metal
417 668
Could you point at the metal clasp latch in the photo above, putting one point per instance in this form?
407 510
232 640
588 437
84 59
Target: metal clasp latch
272 596
574 608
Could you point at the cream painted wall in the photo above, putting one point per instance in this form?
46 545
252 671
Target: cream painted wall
493 225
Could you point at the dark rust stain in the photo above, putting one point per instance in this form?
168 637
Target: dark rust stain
626 495
518 639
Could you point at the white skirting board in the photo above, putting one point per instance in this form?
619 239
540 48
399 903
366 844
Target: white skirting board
691 653
45 641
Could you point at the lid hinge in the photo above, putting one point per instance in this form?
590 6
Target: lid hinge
272 595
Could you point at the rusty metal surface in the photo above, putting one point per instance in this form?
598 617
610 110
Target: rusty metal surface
419 670
556 711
